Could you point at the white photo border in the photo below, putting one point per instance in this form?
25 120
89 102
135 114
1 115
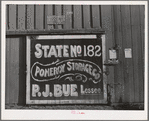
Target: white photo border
66 114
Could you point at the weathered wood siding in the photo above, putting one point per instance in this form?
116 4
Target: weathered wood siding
15 70
128 32
34 17
123 24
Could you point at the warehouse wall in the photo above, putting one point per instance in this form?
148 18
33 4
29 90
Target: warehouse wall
34 17
15 88
128 32
124 26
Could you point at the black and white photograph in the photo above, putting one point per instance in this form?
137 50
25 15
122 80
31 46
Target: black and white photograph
80 60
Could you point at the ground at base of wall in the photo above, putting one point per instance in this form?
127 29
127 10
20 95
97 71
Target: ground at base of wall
128 106
61 107
75 107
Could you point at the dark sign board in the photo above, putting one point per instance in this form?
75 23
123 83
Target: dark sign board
64 71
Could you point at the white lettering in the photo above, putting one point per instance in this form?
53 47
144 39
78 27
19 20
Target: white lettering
47 91
45 48
57 90
41 72
79 49
47 72
73 51
35 89
59 48
37 70
66 91
69 66
38 53
65 51
74 66
73 90
52 51
82 91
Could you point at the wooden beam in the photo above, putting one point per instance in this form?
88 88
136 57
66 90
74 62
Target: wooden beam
56 32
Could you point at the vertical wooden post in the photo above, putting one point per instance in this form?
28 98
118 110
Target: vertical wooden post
128 63
106 14
142 40
39 17
21 17
96 16
12 70
30 17
68 16
58 13
86 16
12 17
77 17
48 12
119 77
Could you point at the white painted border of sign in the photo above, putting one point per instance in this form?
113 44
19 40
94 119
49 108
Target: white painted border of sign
104 67
29 101
66 37
28 70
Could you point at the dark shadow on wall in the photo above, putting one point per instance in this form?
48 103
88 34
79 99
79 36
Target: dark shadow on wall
22 72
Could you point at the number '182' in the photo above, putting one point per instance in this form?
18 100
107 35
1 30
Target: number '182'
90 50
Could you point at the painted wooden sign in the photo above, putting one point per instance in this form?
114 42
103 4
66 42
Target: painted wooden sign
64 71
55 19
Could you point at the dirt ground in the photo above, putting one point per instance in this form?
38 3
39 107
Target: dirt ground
76 107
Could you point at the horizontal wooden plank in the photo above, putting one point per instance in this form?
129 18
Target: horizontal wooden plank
57 32
67 102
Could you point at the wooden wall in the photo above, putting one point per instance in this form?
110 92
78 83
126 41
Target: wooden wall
34 17
15 87
12 70
123 24
128 32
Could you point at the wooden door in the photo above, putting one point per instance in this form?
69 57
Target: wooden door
15 70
